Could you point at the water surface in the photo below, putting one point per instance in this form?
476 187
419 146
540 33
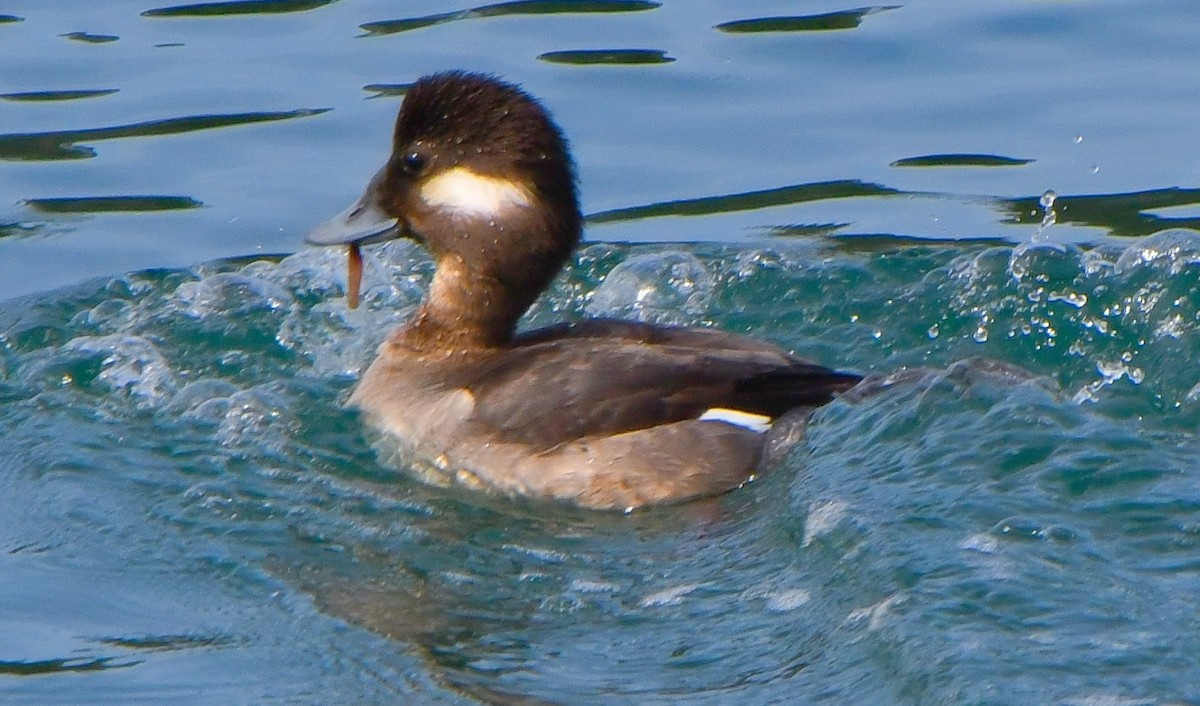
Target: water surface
1010 516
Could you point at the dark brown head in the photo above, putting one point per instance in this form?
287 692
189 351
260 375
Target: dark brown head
481 175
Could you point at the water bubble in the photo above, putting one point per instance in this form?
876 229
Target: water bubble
1171 250
132 364
228 293
1043 262
667 287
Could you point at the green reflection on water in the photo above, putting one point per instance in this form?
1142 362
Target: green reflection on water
112 204
806 229
845 19
167 643
5 19
746 201
518 7
620 57
58 666
62 144
961 160
236 7
90 38
37 96
15 229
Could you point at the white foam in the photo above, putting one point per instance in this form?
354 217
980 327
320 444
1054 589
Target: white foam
668 596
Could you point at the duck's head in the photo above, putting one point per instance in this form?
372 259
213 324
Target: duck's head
482 176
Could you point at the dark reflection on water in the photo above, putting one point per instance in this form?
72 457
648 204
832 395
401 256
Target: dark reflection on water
586 57
13 229
109 204
5 19
236 7
1119 214
62 144
67 664
387 90
488 616
518 7
36 96
961 160
748 200
857 243
167 643
89 38
806 229
845 19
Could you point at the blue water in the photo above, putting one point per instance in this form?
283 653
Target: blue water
1008 513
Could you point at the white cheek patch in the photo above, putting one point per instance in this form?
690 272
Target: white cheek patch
759 423
465 193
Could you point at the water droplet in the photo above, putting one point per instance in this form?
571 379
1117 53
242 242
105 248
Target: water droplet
1078 139
933 331
1049 217
1075 299
981 334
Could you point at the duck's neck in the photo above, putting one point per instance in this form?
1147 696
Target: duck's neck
464 312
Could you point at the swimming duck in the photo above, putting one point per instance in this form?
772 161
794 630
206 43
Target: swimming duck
601 413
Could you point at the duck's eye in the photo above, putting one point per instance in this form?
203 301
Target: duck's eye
413 162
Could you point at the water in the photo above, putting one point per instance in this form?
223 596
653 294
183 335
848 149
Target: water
972 532
1008 514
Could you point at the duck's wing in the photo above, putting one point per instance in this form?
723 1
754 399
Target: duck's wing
553 388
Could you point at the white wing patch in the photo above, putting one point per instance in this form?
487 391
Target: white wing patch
466 193
758 423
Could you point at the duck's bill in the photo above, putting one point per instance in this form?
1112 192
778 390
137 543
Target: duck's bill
364 222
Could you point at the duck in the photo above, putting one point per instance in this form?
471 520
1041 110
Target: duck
600 413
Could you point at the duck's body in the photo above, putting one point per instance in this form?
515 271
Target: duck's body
601 413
